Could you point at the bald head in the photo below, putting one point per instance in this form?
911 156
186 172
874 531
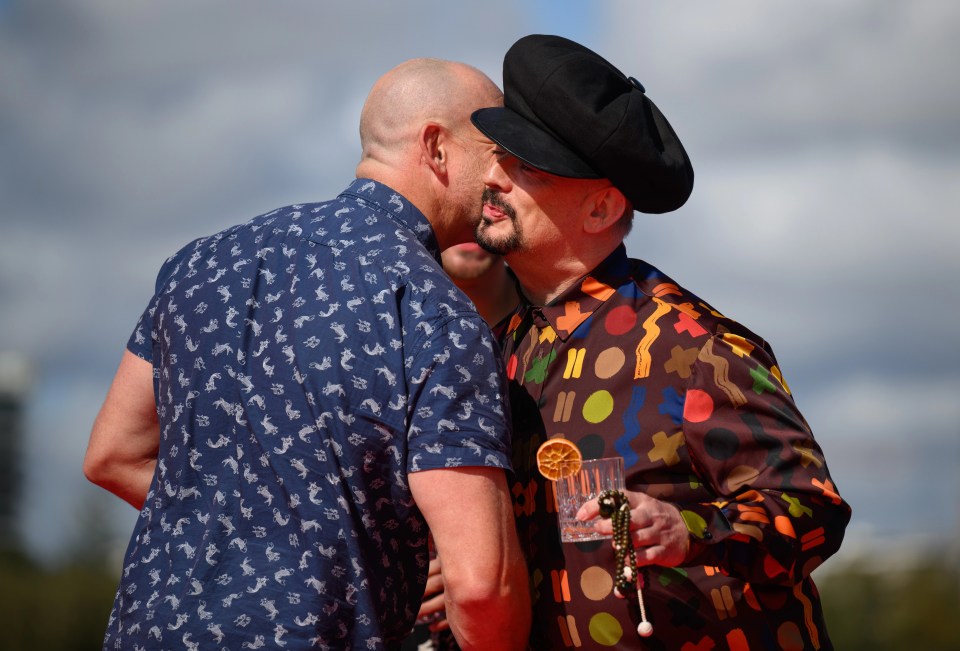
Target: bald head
416 92
417 138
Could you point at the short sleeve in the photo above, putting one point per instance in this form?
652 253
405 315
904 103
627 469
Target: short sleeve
141 340
459 400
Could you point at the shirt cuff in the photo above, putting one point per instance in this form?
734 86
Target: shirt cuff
707 526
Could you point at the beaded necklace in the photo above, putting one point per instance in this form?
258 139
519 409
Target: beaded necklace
614 505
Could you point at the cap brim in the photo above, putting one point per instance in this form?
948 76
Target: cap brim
530 143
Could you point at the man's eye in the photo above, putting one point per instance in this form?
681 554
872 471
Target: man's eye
530 170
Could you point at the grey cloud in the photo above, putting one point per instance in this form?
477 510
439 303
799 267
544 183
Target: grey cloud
824 138
793 74
826 146
136 127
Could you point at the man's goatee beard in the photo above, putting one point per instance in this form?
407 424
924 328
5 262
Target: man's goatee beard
509 243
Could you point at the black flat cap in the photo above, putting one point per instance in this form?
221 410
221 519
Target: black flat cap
569 112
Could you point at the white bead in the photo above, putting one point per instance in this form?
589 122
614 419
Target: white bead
628 573
645 629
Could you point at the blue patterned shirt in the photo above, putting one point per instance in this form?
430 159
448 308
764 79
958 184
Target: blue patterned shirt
304 363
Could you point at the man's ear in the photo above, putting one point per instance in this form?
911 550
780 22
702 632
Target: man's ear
433 148
607 206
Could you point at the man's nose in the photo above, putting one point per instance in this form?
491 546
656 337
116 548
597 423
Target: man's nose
495 177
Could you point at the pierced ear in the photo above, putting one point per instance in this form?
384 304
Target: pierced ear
608 206
432 148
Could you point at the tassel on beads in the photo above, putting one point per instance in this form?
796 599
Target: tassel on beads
614 505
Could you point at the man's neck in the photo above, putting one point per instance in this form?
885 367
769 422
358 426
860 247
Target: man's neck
544 278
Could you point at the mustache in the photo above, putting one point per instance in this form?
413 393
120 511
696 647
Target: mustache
493 198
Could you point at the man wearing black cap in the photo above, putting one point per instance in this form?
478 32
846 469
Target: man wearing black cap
731 505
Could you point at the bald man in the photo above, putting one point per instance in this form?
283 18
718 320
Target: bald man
301 397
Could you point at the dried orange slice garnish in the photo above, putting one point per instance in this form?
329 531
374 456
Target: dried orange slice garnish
558 458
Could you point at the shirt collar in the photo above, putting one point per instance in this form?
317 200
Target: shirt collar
572 308
387 200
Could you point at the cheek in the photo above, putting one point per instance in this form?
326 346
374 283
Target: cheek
478 162
564 214
551 225
466 186
471 175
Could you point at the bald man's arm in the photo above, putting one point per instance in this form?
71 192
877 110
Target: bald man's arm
470 514
122 451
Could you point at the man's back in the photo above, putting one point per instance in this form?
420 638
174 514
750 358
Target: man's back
296 353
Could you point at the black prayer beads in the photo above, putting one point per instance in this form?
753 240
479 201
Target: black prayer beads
614 505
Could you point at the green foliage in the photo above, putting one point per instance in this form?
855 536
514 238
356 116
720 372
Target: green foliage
893 610
64 609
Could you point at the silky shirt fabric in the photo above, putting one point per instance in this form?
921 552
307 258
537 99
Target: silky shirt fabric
628 363
305 363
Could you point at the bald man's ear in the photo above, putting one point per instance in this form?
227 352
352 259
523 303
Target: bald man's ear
433 148
607 206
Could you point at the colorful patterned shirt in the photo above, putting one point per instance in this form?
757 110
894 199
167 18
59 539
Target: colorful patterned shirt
305 362
627 363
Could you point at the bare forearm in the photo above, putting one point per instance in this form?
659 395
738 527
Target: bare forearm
125 471
493 620
484 574
125 439
130 483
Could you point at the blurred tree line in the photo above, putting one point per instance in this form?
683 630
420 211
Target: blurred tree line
868 606
65 608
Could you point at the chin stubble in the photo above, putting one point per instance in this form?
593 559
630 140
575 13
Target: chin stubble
506 244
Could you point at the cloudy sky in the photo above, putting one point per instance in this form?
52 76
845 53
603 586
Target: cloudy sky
825 138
